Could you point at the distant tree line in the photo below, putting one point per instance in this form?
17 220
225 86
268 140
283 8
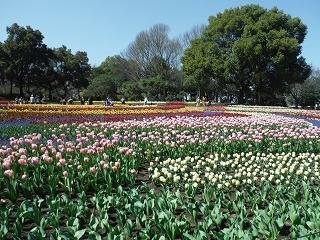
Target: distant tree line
28 65
246 55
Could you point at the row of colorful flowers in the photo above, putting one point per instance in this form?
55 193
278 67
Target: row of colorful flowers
53 113
218 161
14 112
71 147
305 113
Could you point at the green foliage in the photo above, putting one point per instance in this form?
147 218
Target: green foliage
252 48
131 90
152 59
103 86
26 62
306 93
197 63
70 71
25 57
111 66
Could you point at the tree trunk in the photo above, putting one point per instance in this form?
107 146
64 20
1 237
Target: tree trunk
11 87
65 92
21 88
50 92
241 96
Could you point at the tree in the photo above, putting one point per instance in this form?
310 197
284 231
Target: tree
197 65
194 33
71 71
151 45
110 66
131 90
153 55
111 72
2 63
103 86
306 93
255 49
26 57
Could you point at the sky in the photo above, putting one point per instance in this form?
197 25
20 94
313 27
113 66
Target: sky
104 28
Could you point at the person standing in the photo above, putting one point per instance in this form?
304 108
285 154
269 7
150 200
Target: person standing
198 102
204 99
90 101
82 101
32 99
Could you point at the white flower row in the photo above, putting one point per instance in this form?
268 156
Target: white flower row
236 169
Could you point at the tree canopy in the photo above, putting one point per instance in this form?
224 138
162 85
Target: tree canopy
254 49
72 71
26 57
28 64
247 54
153 55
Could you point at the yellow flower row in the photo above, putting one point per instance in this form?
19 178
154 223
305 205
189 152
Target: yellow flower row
93 110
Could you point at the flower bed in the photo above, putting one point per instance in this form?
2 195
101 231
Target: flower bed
175 175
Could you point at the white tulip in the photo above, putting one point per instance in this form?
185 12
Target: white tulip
176 178
162 179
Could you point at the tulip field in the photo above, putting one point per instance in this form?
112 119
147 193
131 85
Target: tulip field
159 172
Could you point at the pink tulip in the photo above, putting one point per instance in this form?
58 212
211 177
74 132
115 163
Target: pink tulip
6 164
106 166
9 150
10 157
35 160
93 170
58 155
105 157
83 150
9 173
47 158
24 177
65 174
22 162
70 150
62 162
43 149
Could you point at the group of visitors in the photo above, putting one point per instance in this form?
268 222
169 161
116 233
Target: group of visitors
109 102
88 102
202 101
32 99
66 100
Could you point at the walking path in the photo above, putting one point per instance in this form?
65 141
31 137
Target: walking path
314 122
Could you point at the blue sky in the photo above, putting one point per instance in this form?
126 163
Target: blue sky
105 28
